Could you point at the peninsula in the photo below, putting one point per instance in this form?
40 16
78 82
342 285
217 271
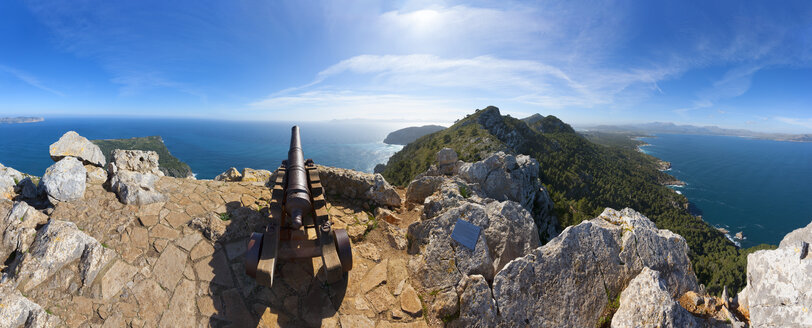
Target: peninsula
20 119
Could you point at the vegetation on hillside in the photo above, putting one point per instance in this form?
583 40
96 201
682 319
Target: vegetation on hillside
406 135
168 164
583 178
622 140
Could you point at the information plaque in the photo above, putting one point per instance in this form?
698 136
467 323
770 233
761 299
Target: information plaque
465 233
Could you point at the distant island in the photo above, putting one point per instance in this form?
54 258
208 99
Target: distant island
407 135
168 164
666 127
20 119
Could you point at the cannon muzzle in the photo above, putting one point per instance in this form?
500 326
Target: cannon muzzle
297 192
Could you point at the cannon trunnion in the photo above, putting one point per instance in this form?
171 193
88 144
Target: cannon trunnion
298 210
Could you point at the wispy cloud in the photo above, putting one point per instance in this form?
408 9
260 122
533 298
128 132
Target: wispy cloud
804 122
29 79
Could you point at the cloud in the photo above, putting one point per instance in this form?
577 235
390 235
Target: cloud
323 105
804 122
29 79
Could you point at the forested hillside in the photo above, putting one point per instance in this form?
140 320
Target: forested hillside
583 178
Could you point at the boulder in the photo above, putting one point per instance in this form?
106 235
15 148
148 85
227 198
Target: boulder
359 185
446 161
590 261
71 144
57 244
477 307
505 177
136 161
422 187
64 180
136 188
507 231
500 176
647 303
9 178
778 284
18 311
95 174
229 175
251 175
17 228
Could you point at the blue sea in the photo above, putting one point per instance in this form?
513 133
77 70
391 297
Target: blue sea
760 187
208 146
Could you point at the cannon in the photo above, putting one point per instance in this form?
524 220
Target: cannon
300 225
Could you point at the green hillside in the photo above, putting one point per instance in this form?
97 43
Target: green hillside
583 178
168 164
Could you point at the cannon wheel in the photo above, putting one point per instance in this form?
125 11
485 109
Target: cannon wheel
342 241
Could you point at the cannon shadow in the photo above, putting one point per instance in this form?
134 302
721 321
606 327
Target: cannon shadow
298 298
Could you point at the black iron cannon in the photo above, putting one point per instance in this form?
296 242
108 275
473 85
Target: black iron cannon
298 208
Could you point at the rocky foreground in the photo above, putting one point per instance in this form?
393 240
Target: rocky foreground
111 244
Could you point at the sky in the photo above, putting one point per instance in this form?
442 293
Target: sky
735 64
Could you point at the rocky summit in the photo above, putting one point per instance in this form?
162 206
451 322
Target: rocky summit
127 246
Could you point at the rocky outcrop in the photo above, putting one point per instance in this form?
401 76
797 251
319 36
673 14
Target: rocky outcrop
18 311
252 175
57 244
778 284
95 174
507 232
593 260
477 307
71 144
9 178
17 229
647 303
133 175
230 175
136 161
500 176
358 185
65 180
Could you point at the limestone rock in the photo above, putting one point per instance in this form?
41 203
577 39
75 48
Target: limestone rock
647 303
136 188
251 175
229 175
17 228
73 145
778 284
591 260
507 232
422 187
9 178
446 303
409 302
64 180
95 174
18 311
58 243
210 226
359 185
477 308
446 161
141 161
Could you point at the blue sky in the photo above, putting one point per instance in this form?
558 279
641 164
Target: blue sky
744 64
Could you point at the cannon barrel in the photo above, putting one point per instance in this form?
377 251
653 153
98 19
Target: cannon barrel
297 192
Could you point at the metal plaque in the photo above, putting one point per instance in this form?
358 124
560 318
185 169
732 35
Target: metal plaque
465 233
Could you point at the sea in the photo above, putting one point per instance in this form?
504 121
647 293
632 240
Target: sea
762 188
209 146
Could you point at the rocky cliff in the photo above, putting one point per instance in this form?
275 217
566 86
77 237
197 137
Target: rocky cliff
126 246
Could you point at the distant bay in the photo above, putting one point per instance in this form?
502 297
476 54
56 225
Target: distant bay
760 187
208 146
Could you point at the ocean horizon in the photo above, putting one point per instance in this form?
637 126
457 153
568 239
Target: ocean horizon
759 187
209 146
